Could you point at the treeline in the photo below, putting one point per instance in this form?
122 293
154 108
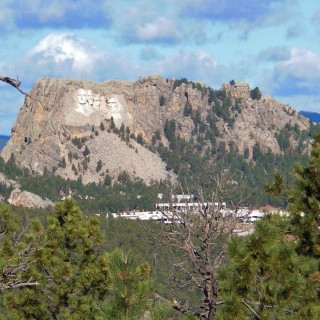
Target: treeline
123 194
73 267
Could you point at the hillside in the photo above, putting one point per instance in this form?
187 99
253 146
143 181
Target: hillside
90 129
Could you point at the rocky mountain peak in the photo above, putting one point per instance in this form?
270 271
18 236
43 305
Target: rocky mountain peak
93 130
237 89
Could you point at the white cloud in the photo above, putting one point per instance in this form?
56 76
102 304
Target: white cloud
302 63
298 74
61 48
195 65
160 29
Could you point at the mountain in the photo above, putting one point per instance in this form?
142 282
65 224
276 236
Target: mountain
313 116
146 128
3 141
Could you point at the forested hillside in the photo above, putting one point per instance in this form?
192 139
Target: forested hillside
191 133
121 268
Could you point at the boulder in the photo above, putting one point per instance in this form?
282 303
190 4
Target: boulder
29 200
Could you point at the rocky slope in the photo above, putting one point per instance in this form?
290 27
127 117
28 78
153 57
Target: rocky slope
23 198
85 128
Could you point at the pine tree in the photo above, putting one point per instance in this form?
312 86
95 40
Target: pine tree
131 288
265 278
72 276
274 273
304 203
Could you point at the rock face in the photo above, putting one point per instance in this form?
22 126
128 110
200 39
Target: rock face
8 182
29 200
67 125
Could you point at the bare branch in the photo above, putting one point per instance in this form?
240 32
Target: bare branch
251 309
199 231
13 82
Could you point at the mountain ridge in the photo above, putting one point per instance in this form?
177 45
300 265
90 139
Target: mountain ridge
78 128
312 116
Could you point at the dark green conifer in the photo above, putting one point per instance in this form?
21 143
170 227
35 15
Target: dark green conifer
72 277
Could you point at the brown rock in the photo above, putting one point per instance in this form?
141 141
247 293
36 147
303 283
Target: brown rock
29 200
58 111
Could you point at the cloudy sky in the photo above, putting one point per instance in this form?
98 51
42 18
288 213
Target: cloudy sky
272 44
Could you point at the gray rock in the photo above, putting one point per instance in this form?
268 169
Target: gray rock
29 200
57 111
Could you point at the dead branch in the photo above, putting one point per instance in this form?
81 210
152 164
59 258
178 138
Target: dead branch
14 83
199 233
251 309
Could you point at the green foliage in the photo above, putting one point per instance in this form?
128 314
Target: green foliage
140 139
107 181
283 139
63 163
265 278
162 101
99 165
169 129
124 178
177 83
131 288
187 109
255 94
112 124
72 276
304 203
77 142
86 151
275 273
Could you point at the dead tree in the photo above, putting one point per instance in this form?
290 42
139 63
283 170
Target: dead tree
199 231
13 82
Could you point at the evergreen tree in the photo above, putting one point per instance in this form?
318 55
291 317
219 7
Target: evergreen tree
99 165
131 288
266 278
86 151
255 94
140 139
274 273
304 203
72 277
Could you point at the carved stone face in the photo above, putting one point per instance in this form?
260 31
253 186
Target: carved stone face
96 101
114 105
82 96
90 97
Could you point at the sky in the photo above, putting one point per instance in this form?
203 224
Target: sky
270 44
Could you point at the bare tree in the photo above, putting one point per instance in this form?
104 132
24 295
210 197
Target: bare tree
13 82
199 231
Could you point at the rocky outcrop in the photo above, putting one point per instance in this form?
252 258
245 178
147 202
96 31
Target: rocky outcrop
29 200
61 118
8 183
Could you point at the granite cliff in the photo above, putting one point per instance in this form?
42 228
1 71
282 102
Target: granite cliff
83 128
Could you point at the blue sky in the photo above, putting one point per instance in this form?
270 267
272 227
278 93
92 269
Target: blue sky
272 44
